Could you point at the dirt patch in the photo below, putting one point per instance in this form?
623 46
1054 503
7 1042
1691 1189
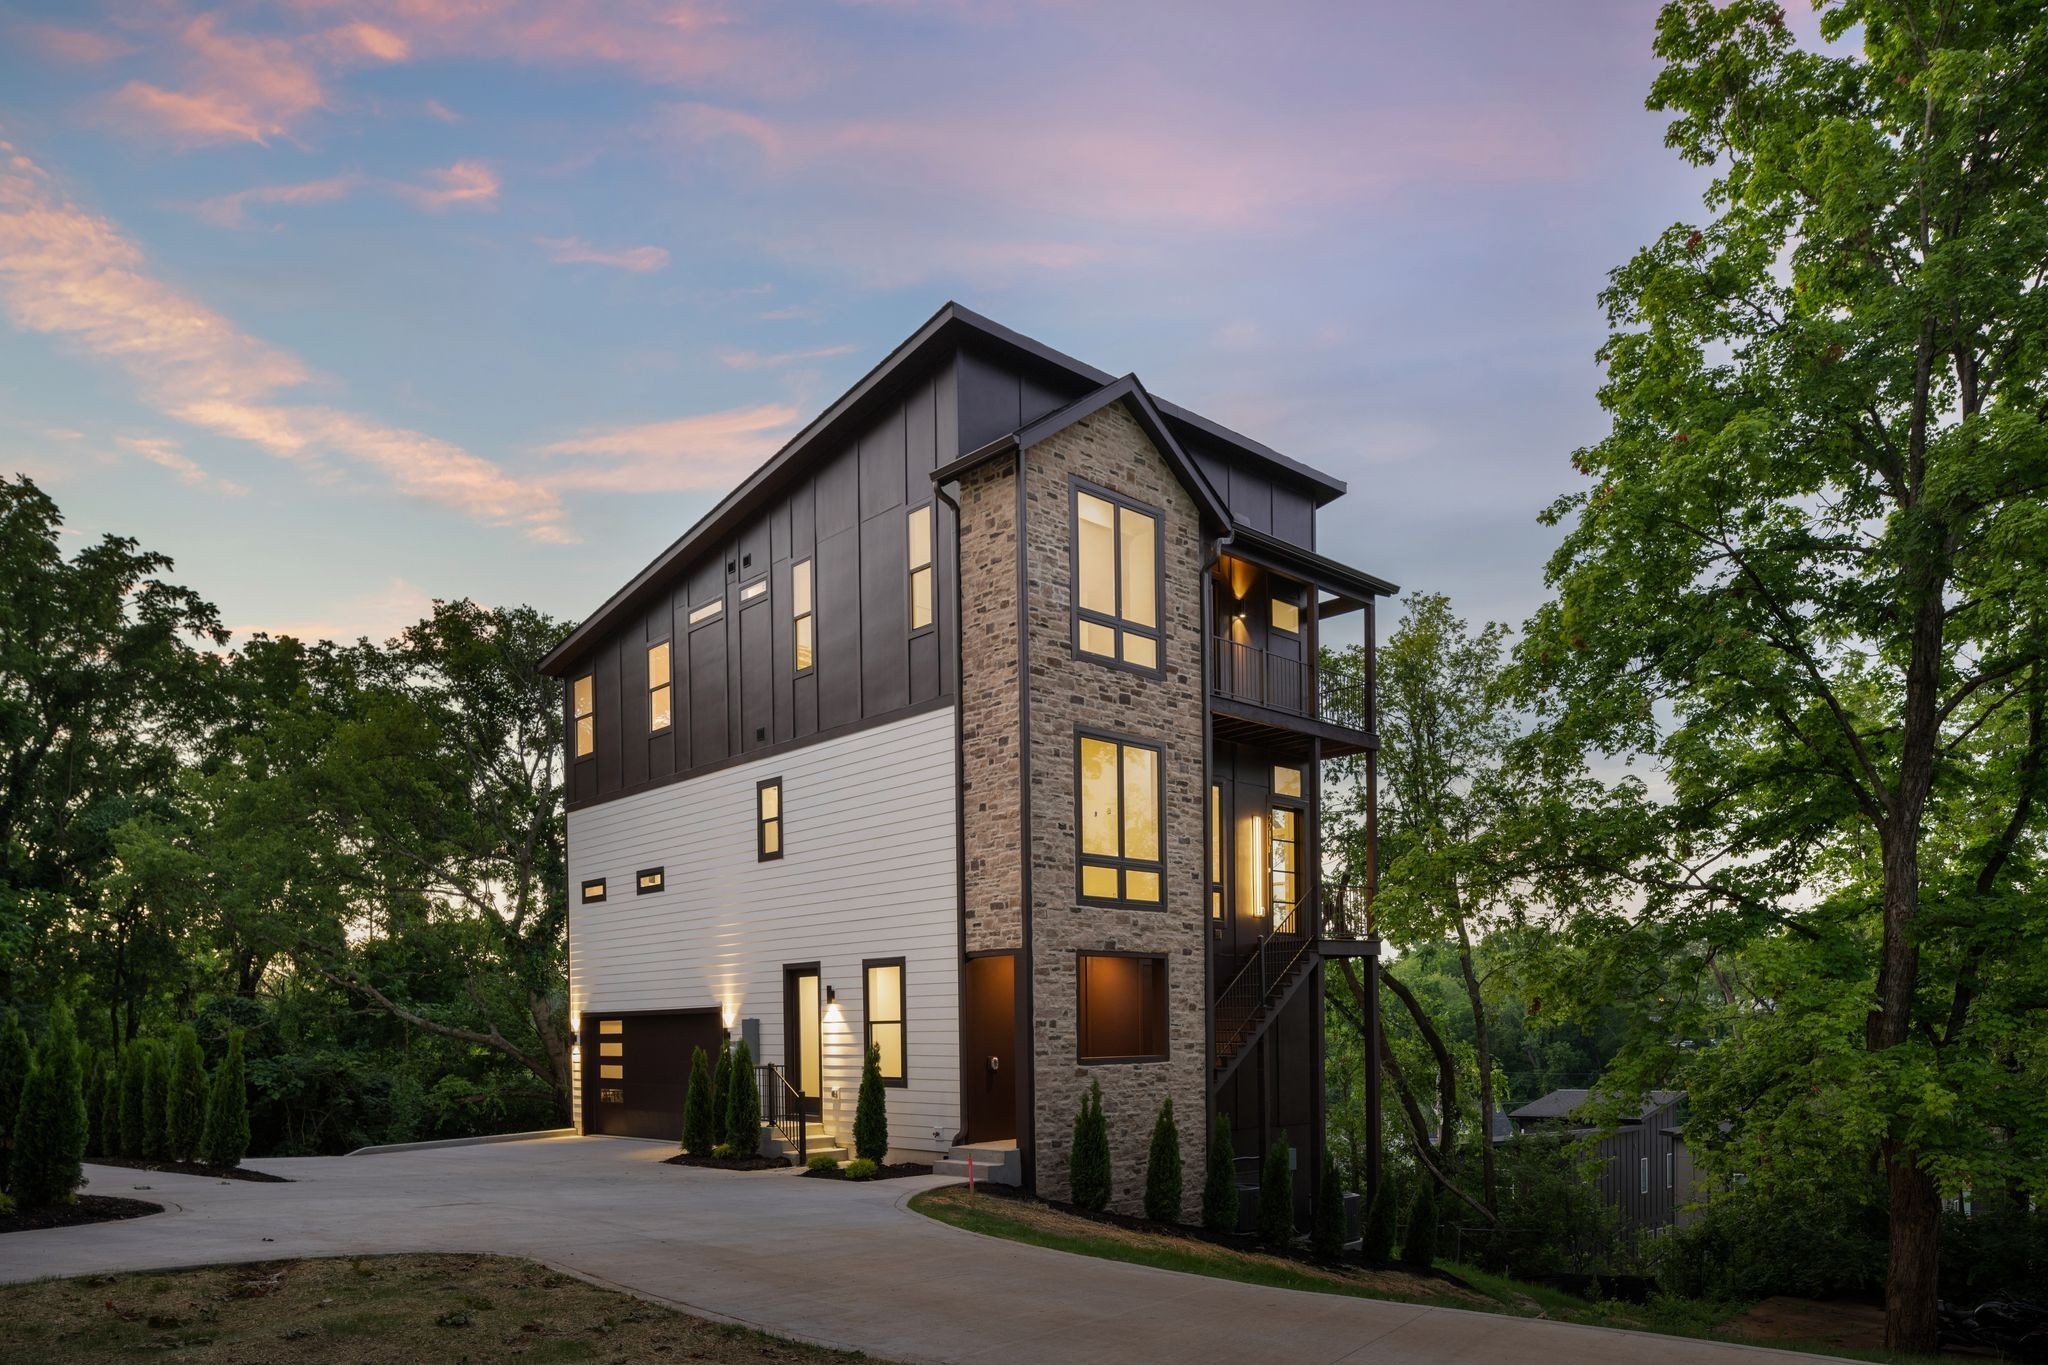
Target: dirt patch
88 1208
189 1168
896 1172
1845 1326
730 1163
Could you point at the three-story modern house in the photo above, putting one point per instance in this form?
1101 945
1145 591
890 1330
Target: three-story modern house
982 724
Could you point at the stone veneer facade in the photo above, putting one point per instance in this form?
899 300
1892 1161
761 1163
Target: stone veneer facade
991 789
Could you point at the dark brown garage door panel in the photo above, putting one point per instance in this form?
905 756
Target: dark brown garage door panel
636 1069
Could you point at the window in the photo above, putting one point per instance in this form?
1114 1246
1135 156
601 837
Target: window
1287 782
1120 797
593 890
661 711
707 612
800 612
1116 580
1670 1170
1285 867
584 704
921 607
649 880
884 995
754 591
1216 850
1644 1183
768 819
1123 1007
1286 614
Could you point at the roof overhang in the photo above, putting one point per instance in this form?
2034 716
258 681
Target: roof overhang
1270 552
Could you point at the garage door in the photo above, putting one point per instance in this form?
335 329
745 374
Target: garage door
636 1070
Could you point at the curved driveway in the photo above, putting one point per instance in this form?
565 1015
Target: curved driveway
837 1264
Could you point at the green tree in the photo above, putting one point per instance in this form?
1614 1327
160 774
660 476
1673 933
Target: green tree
1326 1229
721 1096
1380 1219
1088 1164
49 1133
1276 1197
226 1139
1808 566
871 1114
1162 1168
743 1116
1219 1182
1418 1249
156 1102
699 1130
15 1062
134 1104
187 1096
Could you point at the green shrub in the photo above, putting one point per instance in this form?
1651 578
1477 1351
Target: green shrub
823 1163
185 1123
1162 1169
871 1114
1553 1219
721 1094
722 1151
1378 1248
743 1115
1418 1250
1326 1229
1219 1186
225 1140
15 1063
49 1129
1088 1171
860 1168
131 1119
1804 1241
1276 1198
95 1091
1998 1250
699 1126
110 1108
156 1106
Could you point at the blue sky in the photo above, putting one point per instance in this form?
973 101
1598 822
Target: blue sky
350 304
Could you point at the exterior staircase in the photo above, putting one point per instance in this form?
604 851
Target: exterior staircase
995 1163
1247 1007
818 1141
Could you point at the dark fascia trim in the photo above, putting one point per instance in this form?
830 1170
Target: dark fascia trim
1272 553
1128 390
974 459
1324 488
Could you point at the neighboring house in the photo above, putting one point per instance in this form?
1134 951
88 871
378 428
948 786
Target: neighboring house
982 723
1646 1170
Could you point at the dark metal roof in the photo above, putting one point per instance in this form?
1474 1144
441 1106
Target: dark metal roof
1321 570
1562 1104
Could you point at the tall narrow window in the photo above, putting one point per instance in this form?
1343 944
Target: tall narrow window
1643 1185
922 610
768 819
800 613
1120 796
1286 868
660 707
884 995
1116 580
584 704
1670 1170
1216 850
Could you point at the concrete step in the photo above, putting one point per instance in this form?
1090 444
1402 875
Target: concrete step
998 1163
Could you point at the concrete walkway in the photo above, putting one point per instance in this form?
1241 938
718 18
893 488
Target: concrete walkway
837 1264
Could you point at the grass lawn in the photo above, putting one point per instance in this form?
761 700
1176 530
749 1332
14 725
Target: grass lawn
373 1309
1021 1221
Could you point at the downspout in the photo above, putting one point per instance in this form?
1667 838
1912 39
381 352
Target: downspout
959 798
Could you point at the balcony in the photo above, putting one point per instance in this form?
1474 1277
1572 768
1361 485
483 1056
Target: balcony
1261 697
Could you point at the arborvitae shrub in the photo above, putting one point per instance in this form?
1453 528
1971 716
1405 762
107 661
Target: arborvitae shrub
699 1131
156 1109
95 1099
226 1139
1379 1226
49 1129
721 1094
1162 1169
1276 1198
871 1114
185 1124
14 1068
1219 1187
743 1114
1088 1164
131 1110
1419 1250
1326 1229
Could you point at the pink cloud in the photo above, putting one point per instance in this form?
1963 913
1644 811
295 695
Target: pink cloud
231 210
165 454
576 251
755 360
683 455
72 274
79 46
466 184
237 89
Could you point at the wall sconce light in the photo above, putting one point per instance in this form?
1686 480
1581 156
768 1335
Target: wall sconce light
831 995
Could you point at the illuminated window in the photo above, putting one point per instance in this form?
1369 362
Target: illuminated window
1122 1014
768 819
1116 580
648 881
609 1026
611 1073
1287 782
593 890
1286 867
800 613
660 704
1120 794
699 615
1286 615
584 704
1216 850
884 995
922 609
754 591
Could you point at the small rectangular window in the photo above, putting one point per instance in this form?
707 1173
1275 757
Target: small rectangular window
1287 782
609 1072
1121 794
593 890
768 819
884 996
1122 1015
660 706
699 615
607 1026
611 1049
1670 1170
1286 615
800 613
610 1094
1116 579
649 880
584 705
1645 1181
922 602
754 590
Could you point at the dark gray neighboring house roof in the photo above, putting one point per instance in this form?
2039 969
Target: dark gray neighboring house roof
1564 1104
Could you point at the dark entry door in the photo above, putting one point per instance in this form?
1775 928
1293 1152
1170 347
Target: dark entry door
990 1085
803 1012
636 1070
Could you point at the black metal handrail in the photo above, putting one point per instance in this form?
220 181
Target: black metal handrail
782 1106
1243 672
1238 1004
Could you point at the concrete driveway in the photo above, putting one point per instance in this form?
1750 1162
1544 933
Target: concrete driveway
837 1264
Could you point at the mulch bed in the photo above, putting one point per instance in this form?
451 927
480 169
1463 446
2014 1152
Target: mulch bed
89 1208
730 1163
189 1168
895 1172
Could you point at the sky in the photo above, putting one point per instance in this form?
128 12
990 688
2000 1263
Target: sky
348 305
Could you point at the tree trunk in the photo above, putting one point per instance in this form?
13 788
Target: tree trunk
1910 1321
1485 1058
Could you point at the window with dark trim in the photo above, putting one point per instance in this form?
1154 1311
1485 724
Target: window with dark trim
593 891
768 819
1670 1170
1120 792
882 991
1122 1014
754 591
583 705
1643 1183
923 601
800 603
709 610
1284 869
649 880
1216 850
1286 611
1118 579
661 711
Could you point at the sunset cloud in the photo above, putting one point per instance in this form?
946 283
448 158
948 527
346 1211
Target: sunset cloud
78 46
576 251
235 88
469 184
708 452
466 184
755 360
378 614
165 454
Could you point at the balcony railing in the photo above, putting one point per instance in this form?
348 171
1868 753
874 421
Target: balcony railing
1243 673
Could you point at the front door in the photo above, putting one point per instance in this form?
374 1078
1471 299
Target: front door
803 1014
990 1085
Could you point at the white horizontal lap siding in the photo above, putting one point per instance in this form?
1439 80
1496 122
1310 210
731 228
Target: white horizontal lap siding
869 870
